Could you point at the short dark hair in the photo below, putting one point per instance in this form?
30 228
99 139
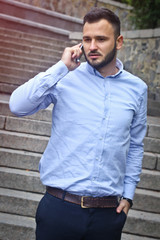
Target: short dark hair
96 14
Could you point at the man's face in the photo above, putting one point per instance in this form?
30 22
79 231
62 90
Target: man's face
99 43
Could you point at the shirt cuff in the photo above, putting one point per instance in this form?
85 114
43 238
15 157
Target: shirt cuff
129 191
58 71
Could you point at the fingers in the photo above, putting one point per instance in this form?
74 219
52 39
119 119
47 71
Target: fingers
76 51
70 55
123 206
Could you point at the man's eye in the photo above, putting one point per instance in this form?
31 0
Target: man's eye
101 39
87 40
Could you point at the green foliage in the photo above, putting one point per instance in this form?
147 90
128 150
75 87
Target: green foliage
146 13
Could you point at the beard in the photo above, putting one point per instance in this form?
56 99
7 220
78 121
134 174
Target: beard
108 58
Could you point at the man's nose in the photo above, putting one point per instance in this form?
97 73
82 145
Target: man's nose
93 45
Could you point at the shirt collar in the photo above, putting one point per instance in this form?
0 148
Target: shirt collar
93 71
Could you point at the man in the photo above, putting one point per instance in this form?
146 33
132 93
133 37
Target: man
92 163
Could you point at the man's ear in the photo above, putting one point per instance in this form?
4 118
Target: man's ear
119 42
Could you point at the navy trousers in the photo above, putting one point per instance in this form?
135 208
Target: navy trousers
60 220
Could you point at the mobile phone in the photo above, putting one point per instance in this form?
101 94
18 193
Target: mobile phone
78 59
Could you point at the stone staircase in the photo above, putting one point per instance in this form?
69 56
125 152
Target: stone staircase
23 140
22 55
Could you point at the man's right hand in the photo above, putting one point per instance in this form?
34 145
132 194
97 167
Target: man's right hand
70 55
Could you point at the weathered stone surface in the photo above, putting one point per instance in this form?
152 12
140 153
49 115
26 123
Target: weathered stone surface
153 120
23 141
14 226
126 236
158 162
142 223
150 180
4 108
19 159
26 60
32 41
154 131
23 66
19 202
6 32
78 8
149 160
7 88
154 106
137 52
42 115
20 180
152 145
2 122
28 126
147 201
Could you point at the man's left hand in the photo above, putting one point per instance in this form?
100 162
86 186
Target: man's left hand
124 205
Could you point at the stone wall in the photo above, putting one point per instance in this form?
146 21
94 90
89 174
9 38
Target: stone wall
141 56
78 8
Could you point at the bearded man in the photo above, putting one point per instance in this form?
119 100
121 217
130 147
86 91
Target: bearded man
92 162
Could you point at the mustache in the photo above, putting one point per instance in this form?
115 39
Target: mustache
93 53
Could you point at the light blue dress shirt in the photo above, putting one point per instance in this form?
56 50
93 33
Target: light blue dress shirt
98 126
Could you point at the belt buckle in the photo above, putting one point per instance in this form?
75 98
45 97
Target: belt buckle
82 203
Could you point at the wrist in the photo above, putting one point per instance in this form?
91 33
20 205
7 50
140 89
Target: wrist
128 200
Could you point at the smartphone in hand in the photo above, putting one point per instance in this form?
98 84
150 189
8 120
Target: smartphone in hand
78 59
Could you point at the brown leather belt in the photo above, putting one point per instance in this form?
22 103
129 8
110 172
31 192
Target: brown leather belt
84 201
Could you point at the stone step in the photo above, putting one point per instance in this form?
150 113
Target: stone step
40 15
24 25
147 201
29 48
12 79
17 72
143 224
14 226
24 180
26 60
153 108
29 160
22 141
7 88
10 176
19 202
153 120
25 203
19 159
25 141
23 66
152 145
42 115
153 127
150 180
126 236
32 37
24 125
150 160
55 44
21 53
